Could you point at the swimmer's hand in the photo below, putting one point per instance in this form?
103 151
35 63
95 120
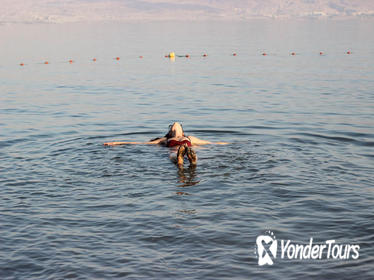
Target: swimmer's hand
221 143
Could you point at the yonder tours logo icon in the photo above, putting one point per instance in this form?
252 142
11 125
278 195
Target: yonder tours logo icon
267 250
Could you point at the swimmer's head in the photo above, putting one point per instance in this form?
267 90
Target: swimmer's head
175 130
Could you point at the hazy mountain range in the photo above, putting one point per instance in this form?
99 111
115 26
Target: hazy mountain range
30 11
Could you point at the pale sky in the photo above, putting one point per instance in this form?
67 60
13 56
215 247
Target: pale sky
55 11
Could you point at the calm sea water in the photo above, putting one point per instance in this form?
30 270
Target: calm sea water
300 162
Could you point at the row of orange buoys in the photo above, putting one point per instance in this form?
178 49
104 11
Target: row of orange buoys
72 61
292 53
172 55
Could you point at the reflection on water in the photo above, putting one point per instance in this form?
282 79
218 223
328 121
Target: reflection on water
187 178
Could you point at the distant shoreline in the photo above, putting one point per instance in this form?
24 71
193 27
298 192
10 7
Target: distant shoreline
57 11
192 20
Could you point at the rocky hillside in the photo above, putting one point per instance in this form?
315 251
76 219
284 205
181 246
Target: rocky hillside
98 10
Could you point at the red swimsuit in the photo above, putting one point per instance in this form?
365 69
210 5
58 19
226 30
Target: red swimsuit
174 143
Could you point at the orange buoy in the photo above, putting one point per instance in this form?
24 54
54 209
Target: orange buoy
141 56
71 61
117 58
293 53
264 54
234 54
46 62
187 55
94 59
21 64
205 55
320 53
348 52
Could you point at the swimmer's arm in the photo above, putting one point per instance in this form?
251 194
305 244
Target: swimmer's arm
154 142
121 143
196 141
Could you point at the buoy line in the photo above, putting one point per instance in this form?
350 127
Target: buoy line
173 55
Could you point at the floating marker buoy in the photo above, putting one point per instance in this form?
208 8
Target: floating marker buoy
141 56
264 54
234 54
320 53
187 55
46 62
94 59
293 53
117 58
21 64
71 61
205 55
348 52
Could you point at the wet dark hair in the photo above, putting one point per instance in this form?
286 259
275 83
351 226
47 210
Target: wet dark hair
154 139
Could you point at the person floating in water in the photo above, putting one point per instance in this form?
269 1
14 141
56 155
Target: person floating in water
175 138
